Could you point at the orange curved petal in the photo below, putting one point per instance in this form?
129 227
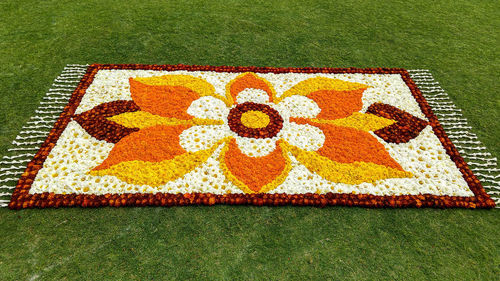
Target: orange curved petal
164 100
336 98
254 174
349 145
153 144
248 80
335 104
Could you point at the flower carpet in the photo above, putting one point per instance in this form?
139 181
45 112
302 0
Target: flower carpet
167 135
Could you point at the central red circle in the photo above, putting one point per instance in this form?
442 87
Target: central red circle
271 130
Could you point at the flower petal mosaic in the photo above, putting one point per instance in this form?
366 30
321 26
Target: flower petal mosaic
137 135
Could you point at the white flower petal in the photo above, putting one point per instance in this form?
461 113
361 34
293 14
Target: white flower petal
299 106
252 95
256 147
208 107
304 136
202 137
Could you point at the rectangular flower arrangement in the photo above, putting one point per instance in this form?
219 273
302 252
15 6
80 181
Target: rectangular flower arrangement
137 135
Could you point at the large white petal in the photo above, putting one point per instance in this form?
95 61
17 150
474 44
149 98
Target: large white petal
252 95
208 107
202 137
298 106
304 136
256 147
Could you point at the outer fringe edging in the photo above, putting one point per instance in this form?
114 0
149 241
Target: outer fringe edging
479 160
33 134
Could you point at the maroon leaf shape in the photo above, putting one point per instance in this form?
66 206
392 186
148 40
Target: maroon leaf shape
95 121
407 126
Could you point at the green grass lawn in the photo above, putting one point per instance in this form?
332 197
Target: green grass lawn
456 40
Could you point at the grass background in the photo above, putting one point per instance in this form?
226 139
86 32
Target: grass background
456 40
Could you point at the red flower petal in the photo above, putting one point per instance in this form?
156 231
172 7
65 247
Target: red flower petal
405 129
97 124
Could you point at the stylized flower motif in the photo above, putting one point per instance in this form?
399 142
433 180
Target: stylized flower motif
182 121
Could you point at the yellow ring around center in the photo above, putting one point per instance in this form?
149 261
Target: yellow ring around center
255 119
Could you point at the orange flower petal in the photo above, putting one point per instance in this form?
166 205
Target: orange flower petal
248 80
335 104
153 144
254 174
348 145
164 100
336 98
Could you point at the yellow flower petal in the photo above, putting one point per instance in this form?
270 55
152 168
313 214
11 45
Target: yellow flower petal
360 121
349 173
143 119
202 87
156 173
321 83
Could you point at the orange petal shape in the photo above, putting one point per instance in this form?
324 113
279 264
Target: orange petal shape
348 145
336 98
248 80
153 144
335 104
164 100
254 174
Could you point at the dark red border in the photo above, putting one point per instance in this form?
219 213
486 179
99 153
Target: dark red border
22 199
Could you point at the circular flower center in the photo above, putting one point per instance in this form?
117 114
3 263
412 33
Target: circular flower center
254 120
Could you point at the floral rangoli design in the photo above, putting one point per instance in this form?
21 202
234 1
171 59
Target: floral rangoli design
249 137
